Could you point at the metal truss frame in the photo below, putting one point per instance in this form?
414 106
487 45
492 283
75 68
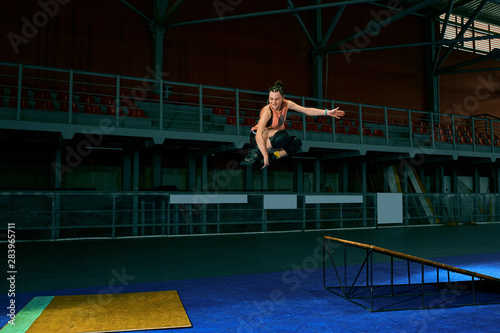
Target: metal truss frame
476 289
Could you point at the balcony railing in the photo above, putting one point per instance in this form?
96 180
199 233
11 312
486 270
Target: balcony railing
59 96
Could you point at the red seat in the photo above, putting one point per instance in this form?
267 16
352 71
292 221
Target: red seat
296 125
43 100
65 107
312 127
340 129
353 130
136 113
107 100
128 102
219 111
251 113
326 128
62 96
111 111
483 141
231 120
24 99
44 105
92 109
324 120
42 95
86 99
249 121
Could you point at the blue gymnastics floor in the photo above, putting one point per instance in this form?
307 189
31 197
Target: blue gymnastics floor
294 301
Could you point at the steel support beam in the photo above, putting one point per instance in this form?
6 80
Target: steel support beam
215 150
493 55
383 23
302 25
157 170
272 12
167 14
332 26
355 153
432 52
462 33
474 70
191 168
158 30
137 11
388 47
445 25
318 57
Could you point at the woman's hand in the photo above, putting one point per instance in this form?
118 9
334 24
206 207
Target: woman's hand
266 161
336 113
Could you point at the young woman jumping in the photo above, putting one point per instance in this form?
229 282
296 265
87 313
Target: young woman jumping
270 140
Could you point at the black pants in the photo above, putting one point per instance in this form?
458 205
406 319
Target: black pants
252 140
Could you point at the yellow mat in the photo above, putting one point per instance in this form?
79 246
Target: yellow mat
112 313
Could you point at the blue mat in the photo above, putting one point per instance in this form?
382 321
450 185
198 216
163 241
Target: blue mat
295 301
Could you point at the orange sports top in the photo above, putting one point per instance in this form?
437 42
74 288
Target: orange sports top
277 120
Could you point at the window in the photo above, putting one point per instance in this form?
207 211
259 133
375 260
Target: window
477 29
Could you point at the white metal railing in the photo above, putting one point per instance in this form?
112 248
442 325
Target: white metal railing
72 215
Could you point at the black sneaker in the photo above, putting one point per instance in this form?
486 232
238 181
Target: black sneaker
253 156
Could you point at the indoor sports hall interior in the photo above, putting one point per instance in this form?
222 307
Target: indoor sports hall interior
124 205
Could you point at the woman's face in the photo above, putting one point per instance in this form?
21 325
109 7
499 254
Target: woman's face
275 99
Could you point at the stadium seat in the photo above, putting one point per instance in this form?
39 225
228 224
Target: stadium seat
107 100
324 120
43 100
13 99
367 132
340 129
92 109
111 111
127 101
312 127
249 121
295 125
86 99
251 113
65 107
62 96
353 130
136 113
326 128
44 105
219 111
